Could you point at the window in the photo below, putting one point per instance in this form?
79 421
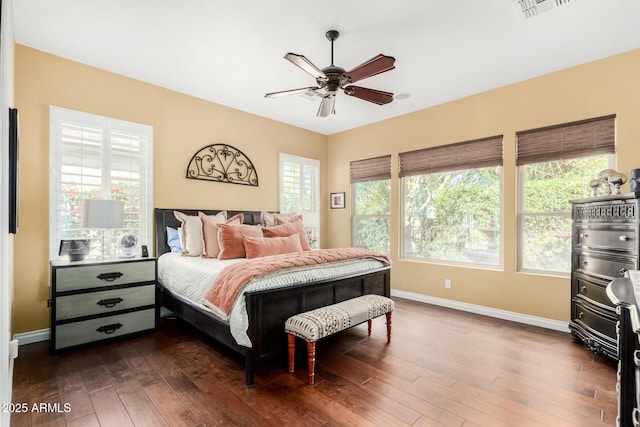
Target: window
555 165
371 184
300 192
94 157
451 203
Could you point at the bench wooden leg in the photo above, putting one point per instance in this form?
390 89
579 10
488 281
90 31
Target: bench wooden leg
311 360
389 326
292 350
369 326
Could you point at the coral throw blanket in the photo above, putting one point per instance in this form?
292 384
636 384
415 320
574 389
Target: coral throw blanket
233 278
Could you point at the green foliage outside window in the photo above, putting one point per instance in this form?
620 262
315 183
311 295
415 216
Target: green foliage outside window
372 209
545 220
453 216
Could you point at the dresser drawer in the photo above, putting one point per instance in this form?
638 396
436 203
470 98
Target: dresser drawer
594 321
98 275
91 303
623 239
603 265
594 293
72 334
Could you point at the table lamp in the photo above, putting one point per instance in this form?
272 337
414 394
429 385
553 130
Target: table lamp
103 215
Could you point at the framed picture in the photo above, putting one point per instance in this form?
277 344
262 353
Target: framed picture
337 200
76 249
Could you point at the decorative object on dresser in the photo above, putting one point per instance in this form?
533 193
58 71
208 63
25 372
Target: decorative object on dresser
634 181
222 163
103 215
75 249
623 294
103 300
127 242
604 247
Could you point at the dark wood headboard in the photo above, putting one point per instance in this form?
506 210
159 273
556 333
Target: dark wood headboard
165 218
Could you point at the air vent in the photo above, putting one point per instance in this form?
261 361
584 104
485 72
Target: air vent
531 8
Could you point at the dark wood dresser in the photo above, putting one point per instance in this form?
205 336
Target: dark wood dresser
604 247
623 292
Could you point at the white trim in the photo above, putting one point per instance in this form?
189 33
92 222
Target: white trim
512 316
33 336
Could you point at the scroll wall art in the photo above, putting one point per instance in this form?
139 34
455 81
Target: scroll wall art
222 163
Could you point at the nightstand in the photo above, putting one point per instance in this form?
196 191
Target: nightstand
94 301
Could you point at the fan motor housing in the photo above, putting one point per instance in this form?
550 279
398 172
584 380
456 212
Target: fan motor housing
335 78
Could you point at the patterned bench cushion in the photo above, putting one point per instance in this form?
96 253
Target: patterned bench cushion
322 322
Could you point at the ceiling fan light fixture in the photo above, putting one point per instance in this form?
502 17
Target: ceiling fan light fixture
332 79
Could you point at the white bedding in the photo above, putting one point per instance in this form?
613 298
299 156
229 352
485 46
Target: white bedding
191 277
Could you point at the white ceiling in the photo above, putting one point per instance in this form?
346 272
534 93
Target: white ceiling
231 52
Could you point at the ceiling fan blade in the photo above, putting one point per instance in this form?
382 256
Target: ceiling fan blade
376 65
290 92
372 95
305 65
326 106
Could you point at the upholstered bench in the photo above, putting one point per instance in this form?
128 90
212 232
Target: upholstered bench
325 321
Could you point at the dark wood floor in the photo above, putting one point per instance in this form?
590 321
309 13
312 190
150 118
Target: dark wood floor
443 367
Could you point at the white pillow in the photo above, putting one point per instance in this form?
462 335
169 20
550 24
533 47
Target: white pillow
191 231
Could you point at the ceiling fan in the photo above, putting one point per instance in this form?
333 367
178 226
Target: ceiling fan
332 78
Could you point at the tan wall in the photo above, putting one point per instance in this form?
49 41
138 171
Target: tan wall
609 86
182 125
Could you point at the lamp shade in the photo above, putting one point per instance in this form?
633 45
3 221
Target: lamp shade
103 214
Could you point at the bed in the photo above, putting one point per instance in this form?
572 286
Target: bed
266 309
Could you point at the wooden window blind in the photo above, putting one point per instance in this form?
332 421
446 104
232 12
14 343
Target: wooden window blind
479 153
566 141
374 169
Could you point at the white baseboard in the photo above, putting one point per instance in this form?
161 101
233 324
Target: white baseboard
33 336
542 322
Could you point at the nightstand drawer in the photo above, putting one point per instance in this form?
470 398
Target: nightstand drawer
72 334
98 275
78 305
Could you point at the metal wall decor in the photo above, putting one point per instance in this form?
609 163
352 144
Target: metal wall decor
222 163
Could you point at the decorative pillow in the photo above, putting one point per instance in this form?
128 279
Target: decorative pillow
230 239
270 219
192 232
173 240
288 229
280 219
210 245
260 246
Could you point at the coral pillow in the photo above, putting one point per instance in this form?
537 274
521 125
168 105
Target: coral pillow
211 247
280 219
260 246
230 239
288 229
191 236
269 219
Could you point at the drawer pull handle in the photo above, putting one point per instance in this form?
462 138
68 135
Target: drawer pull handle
585 264
109 329
580 315
636 357
110 302
622 271
624 238
583 235
109 277
583 289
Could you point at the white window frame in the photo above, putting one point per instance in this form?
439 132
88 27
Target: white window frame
521 216
59 115
498 266
355 216
311 219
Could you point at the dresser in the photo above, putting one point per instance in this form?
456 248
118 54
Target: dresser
604 248
94 301
624 294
